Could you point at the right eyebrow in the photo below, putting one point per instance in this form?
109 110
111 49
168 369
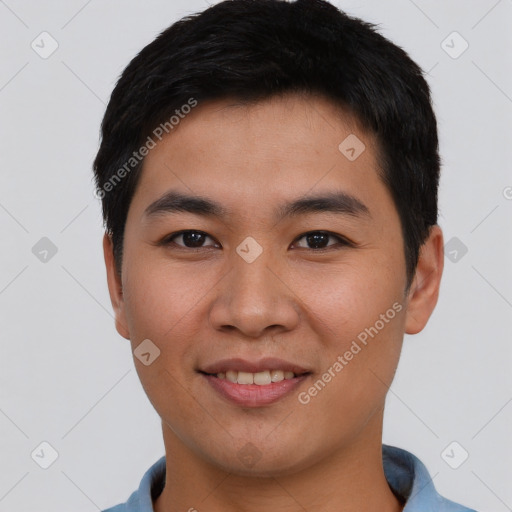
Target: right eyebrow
174 201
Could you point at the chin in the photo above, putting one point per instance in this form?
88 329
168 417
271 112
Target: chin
267 462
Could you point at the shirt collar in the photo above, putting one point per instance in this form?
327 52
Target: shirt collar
406 475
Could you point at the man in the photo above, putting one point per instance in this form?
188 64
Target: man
268 172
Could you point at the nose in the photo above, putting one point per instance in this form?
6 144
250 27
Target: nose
255 299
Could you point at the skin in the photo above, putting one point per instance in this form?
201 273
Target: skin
294 302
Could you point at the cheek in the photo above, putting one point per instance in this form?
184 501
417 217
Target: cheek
360 316
159 297
162 305
358 367
168 305
344 301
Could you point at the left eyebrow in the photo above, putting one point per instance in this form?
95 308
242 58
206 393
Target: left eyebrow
333 202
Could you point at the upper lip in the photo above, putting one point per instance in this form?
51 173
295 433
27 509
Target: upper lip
267 363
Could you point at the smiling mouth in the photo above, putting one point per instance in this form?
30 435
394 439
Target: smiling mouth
252 390
263 378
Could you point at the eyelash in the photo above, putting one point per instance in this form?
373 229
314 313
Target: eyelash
342 241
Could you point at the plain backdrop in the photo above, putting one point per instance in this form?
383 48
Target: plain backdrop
68 379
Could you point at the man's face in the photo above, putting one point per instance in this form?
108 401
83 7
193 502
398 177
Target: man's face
328 272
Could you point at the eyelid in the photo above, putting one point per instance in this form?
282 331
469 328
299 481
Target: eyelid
169 239
341 239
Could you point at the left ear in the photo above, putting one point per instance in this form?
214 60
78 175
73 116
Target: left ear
424 291
115 287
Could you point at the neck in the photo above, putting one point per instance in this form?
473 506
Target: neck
350 479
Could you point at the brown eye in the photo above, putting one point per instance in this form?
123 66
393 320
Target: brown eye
320 240
190 239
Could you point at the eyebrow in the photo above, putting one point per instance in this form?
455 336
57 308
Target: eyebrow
338 202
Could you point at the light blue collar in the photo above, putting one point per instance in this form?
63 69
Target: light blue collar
405 473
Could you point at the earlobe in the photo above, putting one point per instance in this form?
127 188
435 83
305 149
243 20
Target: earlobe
115 287
424 290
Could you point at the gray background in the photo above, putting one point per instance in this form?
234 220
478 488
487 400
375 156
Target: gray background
67 377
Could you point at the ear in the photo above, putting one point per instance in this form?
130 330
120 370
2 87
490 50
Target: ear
115 287
424 291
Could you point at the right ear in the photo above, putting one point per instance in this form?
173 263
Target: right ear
115 287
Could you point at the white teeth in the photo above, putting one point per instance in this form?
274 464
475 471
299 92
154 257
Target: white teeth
231 376
245 378
276 375
261 378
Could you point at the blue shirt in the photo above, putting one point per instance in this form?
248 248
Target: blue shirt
405 473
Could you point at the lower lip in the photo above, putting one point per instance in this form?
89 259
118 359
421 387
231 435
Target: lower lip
252 395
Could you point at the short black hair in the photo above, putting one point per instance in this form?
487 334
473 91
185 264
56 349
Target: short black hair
252 50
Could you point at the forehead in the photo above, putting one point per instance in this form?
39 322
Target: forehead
250 156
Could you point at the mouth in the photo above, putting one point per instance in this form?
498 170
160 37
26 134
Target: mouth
263 378
254 384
